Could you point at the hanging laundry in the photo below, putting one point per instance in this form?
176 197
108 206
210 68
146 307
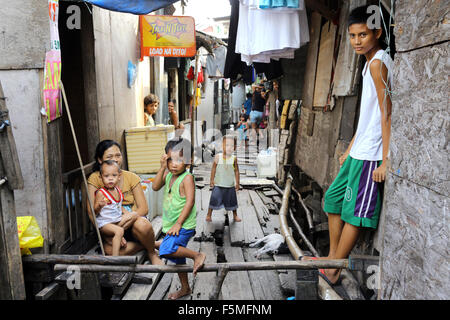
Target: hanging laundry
268 34
216 62
191 74
132 6
270 4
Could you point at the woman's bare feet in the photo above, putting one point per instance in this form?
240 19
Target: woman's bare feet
199 260
180 293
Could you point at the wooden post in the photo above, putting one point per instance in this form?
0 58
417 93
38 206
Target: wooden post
194 111
91 203
222 273
12 285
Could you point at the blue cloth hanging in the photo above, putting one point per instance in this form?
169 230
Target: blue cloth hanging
292 3
265 4
132 6
278 3
270 4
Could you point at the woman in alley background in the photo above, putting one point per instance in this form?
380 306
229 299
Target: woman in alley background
151 104
138 230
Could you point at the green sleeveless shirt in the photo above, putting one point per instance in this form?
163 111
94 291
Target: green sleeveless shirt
174 204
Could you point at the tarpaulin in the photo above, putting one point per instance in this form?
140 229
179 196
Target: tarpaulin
132 6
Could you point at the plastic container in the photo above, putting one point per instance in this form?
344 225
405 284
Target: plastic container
266 163
145 146
154 198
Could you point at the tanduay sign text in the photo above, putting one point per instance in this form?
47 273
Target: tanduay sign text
167 36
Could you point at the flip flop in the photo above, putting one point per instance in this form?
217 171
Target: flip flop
324 277
321 271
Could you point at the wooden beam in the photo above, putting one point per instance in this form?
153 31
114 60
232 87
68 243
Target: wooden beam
12 284
8 151
48 292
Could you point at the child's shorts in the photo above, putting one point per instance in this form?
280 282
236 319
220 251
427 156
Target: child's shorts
242 134
354 195
171 243
222 197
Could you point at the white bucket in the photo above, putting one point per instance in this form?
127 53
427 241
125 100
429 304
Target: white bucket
266 163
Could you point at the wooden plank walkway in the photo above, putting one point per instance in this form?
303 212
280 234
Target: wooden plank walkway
224 240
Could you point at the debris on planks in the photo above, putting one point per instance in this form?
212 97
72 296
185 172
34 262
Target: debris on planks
270 193
253 182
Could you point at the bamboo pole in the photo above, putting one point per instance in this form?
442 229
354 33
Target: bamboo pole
300 231
80 259
308 213
296 252
91 205
325 290
230 266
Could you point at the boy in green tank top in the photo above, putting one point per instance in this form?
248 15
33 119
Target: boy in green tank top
179 211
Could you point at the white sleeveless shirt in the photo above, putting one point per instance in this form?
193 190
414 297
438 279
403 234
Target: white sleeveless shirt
225 172
368 142
112 212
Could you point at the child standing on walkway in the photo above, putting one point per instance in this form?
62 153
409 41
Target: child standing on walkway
108 205
224 180
179 211
242 128
353 200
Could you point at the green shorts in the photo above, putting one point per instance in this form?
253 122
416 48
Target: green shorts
354 195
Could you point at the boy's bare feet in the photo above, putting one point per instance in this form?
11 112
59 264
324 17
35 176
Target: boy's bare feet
236 219
199 260
154 259
180 293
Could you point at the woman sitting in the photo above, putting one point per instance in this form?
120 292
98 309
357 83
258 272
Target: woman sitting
138 230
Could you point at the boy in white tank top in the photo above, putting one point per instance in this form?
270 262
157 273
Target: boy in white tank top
108 205
224 180
353 200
